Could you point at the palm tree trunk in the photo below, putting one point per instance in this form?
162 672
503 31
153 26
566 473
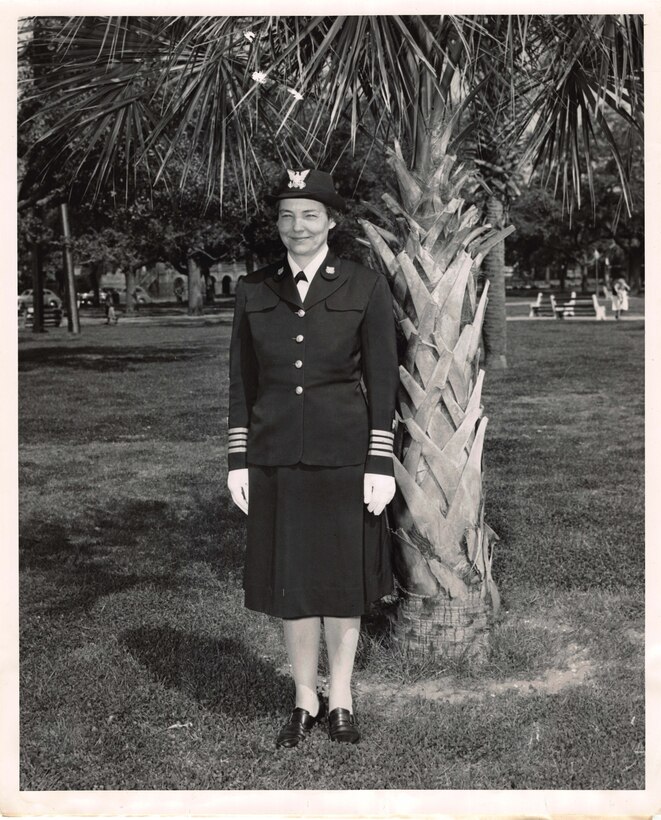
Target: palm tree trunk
443 544
494 330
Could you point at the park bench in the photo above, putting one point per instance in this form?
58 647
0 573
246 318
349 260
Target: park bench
543 307
573 308
52 316
580 306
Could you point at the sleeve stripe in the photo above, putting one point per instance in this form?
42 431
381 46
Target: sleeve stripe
381 443
237 440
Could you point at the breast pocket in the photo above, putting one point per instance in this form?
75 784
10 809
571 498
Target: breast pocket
340 323
342 302
267 317
263 301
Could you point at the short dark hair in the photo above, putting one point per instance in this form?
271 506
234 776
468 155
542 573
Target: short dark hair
334 214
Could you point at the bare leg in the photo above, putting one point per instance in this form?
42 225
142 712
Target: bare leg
341 640
302 641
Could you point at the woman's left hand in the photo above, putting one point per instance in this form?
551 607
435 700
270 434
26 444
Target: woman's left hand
379 490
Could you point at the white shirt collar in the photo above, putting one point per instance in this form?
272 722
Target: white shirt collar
312 266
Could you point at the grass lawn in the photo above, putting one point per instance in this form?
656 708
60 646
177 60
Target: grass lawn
140 668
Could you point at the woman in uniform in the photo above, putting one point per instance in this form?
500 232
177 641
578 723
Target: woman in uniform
313 380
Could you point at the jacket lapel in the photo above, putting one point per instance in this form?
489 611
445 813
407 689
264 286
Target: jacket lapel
282 283
327 280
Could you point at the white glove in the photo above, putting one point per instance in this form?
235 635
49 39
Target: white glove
379 490
237 481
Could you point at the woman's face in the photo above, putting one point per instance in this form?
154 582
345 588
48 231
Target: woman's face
303 225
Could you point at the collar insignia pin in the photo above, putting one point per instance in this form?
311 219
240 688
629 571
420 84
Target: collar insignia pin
297 178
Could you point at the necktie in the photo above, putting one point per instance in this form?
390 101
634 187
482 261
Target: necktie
300 277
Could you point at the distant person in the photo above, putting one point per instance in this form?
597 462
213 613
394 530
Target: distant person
111 314
620 298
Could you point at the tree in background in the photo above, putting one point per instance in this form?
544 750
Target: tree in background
206 90
546 238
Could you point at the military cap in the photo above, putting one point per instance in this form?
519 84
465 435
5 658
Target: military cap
308 184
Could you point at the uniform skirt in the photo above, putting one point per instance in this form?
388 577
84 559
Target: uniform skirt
313 549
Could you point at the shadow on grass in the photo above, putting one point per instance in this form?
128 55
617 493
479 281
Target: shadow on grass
101 359
89 584
218 531
221 674
132 519
87 557
76 580
42 541
85 560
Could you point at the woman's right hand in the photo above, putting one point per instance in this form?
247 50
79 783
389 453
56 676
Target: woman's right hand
237 482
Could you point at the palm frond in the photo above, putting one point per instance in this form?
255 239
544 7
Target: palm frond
190 92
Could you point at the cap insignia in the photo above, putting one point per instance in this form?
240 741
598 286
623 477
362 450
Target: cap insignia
330 269
297 178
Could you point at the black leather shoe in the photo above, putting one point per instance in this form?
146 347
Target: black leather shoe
342 726
299 726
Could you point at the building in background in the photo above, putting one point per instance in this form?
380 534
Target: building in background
164 283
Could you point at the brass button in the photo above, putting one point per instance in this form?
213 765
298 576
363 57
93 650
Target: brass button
298 363
300 338
300 312
299 390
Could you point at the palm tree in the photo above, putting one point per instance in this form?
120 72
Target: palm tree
141 91
444 546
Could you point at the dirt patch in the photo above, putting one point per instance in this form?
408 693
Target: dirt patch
448 689
572 666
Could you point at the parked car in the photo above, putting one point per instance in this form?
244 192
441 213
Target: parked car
118 296
26 298
87 298
141 295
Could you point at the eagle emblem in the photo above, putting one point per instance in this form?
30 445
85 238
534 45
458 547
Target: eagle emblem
297 178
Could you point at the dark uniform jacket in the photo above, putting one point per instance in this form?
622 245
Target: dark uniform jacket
296 369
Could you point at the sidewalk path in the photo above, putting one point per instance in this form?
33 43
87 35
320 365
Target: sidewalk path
635 318
224 315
